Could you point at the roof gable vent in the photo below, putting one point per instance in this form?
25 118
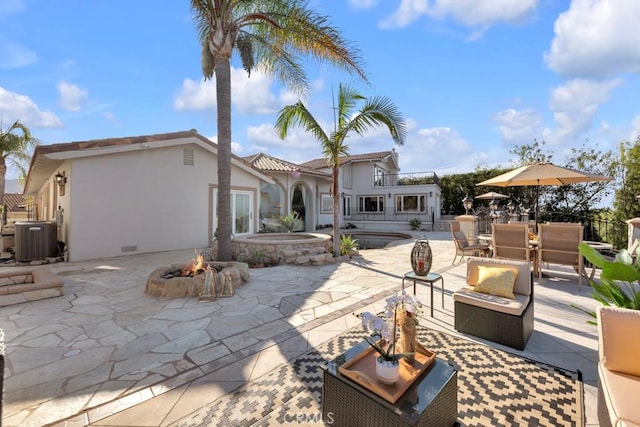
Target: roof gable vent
188 157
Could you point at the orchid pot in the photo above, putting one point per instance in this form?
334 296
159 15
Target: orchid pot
387 371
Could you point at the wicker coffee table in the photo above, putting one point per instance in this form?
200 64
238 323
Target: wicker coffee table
430 401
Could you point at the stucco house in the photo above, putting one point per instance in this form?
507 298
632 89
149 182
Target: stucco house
297 188
120 196
374 194
141 194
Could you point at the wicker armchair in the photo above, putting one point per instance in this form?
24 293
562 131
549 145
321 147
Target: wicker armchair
494 318
463 246
558 244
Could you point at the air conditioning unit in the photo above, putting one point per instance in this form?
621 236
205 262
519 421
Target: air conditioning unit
35 240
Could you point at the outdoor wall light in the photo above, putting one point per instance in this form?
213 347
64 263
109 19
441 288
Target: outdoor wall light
467 202
61 180
389 195
342 194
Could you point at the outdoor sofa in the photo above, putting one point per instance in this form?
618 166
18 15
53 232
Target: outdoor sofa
497 303
619 366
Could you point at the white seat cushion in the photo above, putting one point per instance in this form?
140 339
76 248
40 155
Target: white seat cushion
504 305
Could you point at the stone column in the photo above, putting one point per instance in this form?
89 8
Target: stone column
469 226
633 233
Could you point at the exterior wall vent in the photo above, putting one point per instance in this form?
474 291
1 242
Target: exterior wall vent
188 157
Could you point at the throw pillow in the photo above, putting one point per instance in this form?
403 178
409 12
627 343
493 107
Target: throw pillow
498 281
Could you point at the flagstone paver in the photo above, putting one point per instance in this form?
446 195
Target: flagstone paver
108 352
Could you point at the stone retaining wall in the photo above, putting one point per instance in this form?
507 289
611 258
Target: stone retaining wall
281 248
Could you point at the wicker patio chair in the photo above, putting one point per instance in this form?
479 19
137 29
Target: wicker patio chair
495 318
463 246
558 244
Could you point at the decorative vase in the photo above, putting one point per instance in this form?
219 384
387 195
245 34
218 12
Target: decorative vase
387 371
421 257
408 327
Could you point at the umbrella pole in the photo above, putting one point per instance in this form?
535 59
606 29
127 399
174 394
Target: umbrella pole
537 203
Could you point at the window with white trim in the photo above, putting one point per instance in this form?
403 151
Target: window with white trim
414 203
326 203
370 204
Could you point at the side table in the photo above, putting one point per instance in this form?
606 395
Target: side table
431 401
429 278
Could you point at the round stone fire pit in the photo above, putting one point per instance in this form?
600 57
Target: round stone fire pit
185 286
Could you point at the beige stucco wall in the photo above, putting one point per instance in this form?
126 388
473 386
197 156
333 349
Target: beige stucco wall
142 201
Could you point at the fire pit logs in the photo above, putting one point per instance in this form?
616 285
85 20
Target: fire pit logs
178 281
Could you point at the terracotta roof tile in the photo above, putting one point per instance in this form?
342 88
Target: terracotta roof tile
268 163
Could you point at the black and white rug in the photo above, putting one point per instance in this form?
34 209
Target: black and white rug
494 388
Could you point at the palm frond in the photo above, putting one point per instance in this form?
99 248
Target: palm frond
298 115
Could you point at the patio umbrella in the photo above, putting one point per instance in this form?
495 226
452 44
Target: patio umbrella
492 195
541 173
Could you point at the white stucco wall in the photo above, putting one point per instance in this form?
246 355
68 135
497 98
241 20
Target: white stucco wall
142 201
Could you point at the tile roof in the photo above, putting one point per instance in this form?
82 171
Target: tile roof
273 164
322 162
114 142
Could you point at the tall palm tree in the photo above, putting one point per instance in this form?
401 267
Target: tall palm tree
376 111
269 36
15 145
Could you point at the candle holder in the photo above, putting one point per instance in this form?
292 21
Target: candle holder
421 257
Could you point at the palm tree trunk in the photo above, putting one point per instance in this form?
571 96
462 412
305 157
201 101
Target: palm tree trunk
336 212
3 172
223 97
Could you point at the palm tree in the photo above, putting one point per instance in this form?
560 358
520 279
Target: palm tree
269 36
377 111
15 143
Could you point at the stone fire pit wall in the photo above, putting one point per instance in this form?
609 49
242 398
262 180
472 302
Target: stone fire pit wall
284 248
186 287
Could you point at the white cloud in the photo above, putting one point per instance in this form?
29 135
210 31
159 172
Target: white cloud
470 13
248 95
14 107
362 4
72 97
14 55
518 126
596 38
574 106
111 118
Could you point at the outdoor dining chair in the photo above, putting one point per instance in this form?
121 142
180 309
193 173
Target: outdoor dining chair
511 241
558 244
464 246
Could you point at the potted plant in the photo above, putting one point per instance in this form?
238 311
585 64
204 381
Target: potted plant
415 223
619 280
384 336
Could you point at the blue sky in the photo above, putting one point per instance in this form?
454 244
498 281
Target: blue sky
472 78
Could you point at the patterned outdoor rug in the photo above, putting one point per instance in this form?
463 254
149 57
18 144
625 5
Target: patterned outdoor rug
494 388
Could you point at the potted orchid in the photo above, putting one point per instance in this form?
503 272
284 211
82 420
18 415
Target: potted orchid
384 329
